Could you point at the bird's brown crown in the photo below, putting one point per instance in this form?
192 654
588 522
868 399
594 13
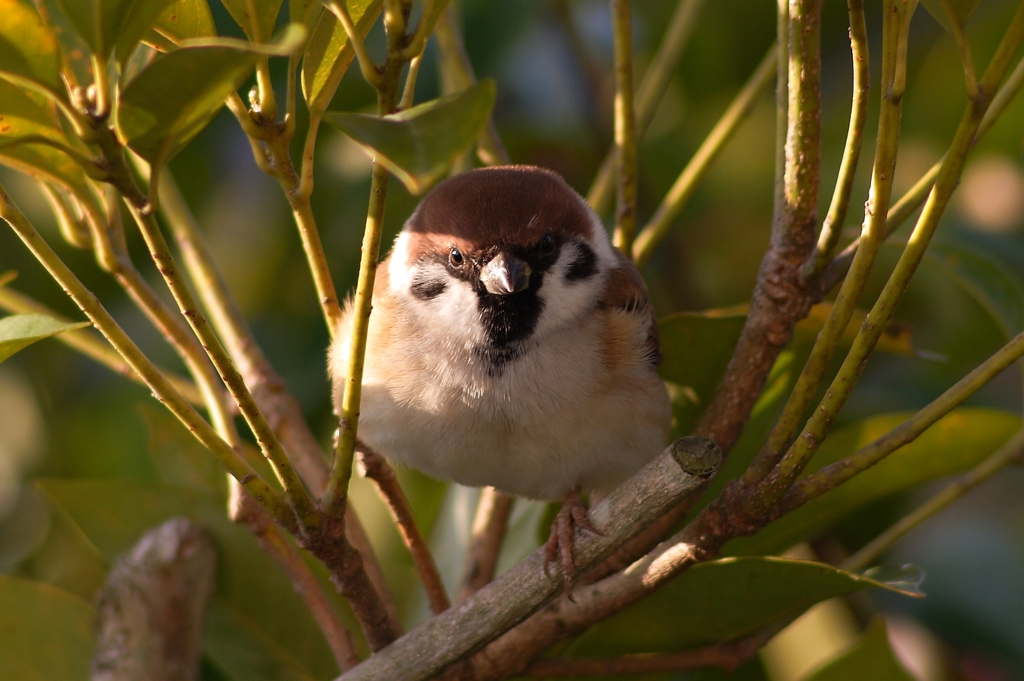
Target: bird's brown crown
508 206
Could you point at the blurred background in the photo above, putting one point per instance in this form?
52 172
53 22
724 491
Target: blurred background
63 416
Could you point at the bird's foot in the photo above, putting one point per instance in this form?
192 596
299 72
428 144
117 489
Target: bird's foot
573 514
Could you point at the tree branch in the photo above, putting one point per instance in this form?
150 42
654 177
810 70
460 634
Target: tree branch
663 483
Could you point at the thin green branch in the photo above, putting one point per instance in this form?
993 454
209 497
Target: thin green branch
89 344
881 313
956 27
409 92
265 436
916 195
432 11
652 89
1007 455
625 127
839 472
370 72
832 227
887 142
162 389
455 61
660 223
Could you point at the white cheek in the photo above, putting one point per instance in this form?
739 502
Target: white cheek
566 301
399 272
450 317
599 242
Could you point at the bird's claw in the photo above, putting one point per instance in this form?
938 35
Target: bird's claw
573 514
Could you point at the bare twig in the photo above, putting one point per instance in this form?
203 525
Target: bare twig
377 469
488 532
625 127
656 229
649 94
832 227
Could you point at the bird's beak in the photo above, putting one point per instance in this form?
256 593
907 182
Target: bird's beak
505 274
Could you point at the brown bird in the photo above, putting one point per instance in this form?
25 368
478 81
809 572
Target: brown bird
511 345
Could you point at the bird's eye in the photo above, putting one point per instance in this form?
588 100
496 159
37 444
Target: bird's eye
455 257
547 244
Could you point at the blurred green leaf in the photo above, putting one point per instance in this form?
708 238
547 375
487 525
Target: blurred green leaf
997 288
420 144
723 600
695 350
170 101
871 658
242 651
328 53
896 339
22 330
141 18
114 514
76 56
183 20
100 23
29 52
26 119
181 460
46 633
258 27
956 443
962 10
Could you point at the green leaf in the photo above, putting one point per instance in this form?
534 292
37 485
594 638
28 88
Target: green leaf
420 144
962 10
26 120
181 460
46 633
98 22
997 288
301 10
726 599
242 651
75 54
140 20
959 441
184 20
328 53
114 514
695 350
871 658
22 330
171 100
258 27
29 52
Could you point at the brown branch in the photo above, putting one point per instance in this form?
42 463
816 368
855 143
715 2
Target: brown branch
374 467
244 510
149 616
663 483
780 298
489 525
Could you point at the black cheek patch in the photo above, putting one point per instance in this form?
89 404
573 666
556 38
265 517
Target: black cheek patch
584 266
428 288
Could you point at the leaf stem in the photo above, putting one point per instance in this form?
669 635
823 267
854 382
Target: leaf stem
1009 454
740 107
625 127
956 27
369 70
162 389
832 227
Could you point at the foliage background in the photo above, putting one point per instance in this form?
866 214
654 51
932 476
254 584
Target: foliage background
63 416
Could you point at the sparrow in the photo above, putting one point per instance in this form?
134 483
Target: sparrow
511 345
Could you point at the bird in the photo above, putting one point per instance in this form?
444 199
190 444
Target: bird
511 345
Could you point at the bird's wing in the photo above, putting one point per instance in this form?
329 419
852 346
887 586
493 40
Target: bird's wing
625 290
